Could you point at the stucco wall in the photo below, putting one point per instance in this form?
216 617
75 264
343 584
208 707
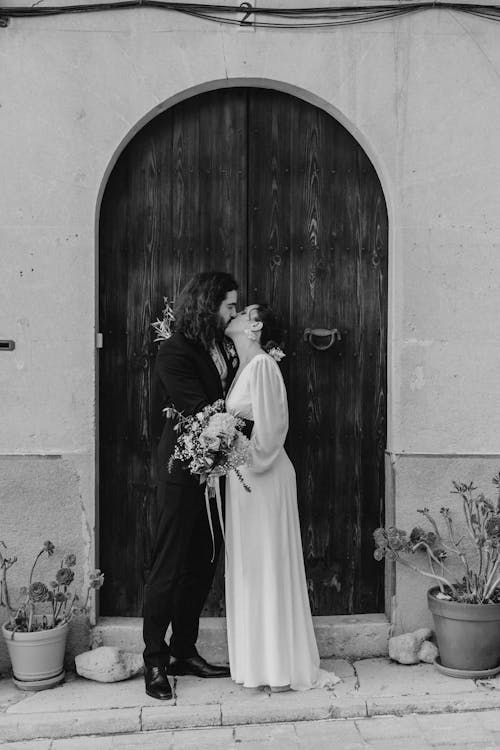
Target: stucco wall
420 93
42 499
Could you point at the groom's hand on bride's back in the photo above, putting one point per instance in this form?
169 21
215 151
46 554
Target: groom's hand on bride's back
248 427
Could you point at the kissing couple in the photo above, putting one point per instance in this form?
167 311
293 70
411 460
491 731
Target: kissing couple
214 353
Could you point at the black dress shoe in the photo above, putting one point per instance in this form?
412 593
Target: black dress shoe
157 684
196 665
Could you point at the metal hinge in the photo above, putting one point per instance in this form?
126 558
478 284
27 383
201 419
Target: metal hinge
98 341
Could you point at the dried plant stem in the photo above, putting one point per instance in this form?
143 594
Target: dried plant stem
4 589
428 575
34 565
492 573
468 519
432 556
431 566
455 548
491 589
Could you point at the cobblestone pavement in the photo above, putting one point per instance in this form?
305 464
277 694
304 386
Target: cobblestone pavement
478 730
378 704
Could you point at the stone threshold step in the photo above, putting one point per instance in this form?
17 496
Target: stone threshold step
340 636
280 708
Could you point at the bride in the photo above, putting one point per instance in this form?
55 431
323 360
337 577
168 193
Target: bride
269 625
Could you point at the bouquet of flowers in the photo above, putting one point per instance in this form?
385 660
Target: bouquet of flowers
210 443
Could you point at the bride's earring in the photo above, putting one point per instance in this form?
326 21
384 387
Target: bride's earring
256 325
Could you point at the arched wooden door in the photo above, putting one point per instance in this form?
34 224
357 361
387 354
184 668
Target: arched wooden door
276 191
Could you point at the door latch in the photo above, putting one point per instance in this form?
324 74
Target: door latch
322 339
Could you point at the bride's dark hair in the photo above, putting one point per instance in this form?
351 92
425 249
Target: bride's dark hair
272 331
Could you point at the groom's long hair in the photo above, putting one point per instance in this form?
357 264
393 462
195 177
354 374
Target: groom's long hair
196 309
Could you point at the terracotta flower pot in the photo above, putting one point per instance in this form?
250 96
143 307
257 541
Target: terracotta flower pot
468 635
37 658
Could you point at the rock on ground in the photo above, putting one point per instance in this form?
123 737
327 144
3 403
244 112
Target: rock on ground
407 648
108 664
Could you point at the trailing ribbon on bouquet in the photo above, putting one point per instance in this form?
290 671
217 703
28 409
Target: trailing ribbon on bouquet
212 489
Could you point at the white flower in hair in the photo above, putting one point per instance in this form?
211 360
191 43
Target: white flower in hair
276 352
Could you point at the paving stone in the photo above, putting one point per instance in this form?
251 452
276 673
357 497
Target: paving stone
380 677
271 744
390 727
488 719
431 704
401 743
138 741
180 717
199 691
80 694
208 738
29 745
348 708
444 727
345 671
59 724
341 667
492 683
344 732
9 694
347 688
260 732
91 743
290 706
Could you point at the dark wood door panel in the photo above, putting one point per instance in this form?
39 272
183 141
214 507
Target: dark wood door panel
175 205
317 238
276 191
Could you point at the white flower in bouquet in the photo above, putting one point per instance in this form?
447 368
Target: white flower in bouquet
210 443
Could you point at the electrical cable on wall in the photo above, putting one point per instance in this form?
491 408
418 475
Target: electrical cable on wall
271 18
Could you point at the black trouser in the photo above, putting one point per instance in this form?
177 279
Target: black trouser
181 572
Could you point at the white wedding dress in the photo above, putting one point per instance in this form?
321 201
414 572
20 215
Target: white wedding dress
269 626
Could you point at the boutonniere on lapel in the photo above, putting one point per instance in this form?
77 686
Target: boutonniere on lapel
163 327
230 352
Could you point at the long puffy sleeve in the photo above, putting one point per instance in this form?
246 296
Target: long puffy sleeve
270 412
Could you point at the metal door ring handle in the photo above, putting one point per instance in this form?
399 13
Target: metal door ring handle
331 334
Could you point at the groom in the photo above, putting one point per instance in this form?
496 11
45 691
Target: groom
193 368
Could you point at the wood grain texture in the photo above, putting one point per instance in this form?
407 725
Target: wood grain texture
276 191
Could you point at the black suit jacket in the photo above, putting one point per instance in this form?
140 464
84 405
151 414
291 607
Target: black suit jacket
185 377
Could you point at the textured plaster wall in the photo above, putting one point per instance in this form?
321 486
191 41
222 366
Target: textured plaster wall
422 96
426 482
41 499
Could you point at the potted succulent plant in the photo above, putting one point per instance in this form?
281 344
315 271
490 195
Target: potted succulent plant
37 628
465 605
